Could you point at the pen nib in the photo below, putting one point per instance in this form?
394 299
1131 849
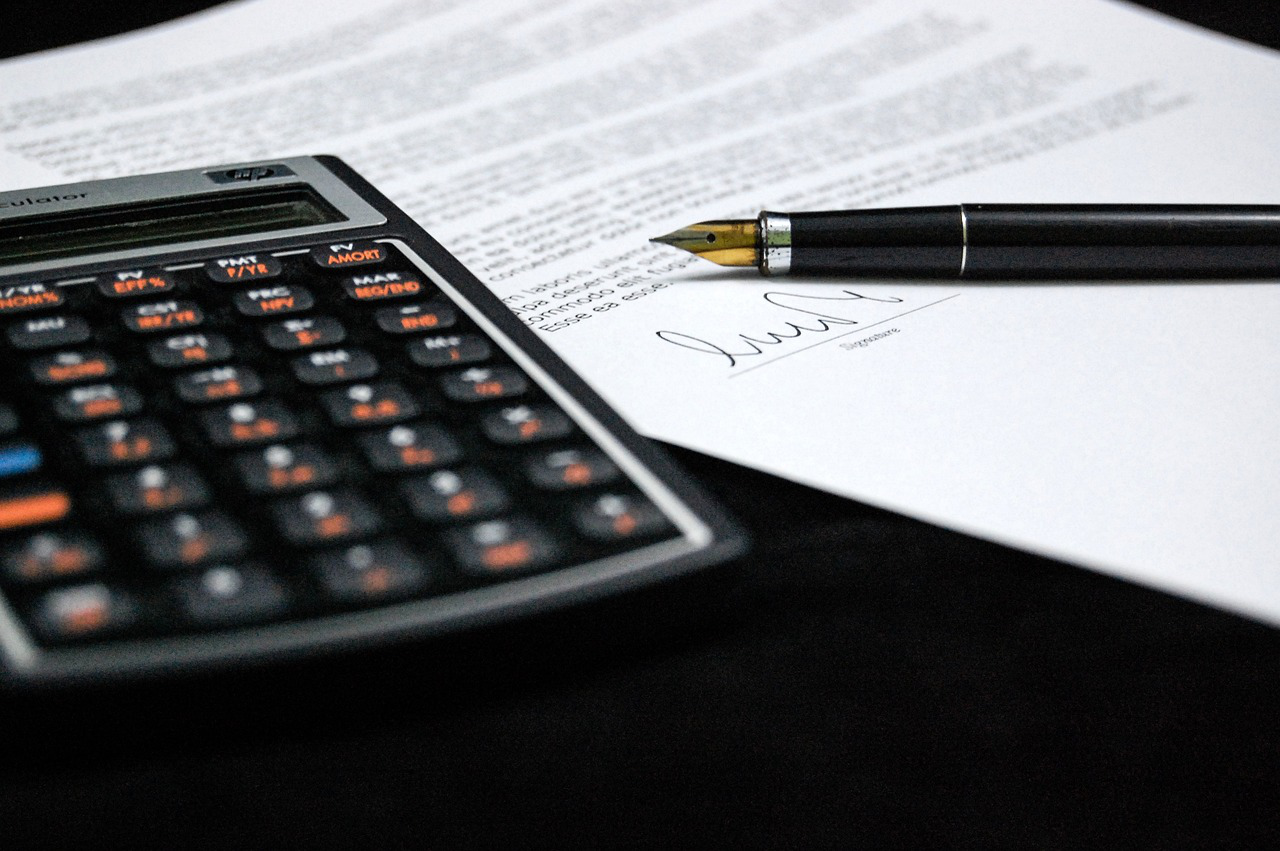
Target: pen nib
729 243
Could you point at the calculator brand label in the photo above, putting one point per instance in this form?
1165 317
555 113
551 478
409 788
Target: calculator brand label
28 201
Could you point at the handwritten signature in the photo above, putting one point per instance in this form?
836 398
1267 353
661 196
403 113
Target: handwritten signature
751 346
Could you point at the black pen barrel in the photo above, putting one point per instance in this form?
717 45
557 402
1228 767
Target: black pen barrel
1040 241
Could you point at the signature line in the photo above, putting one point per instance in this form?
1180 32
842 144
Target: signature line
857 330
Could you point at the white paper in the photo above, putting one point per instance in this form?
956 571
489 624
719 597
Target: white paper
1125 427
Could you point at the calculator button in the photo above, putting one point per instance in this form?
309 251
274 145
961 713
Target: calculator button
323 516
335 366
243 269
187 350
450 350
284 469
20 298
119 442
248 424
51 555
344 255
82 612
567 469
96 402
224 595
479 384
449 495
309 333
189 540
71 367
219 384
404 448
366 573
133 283
8 420
382 285
526 424
415 318
154 489
495 547
32 506
273 301
369 404
615 517
19 458
154 317
48 332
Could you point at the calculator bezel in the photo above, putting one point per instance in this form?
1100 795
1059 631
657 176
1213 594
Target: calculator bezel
707 535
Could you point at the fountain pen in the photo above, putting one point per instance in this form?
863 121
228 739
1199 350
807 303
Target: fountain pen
1000 241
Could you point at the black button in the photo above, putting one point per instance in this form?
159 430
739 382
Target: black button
187 350
119 443
449 350
97 402
51 555
325 516
20 298
285 469
243 268
220 384
8 420
72 367
383 285
48 332
568 469
416 318
83 612
227 595
497 547
615 517
526 424
304 333
404 448
154 489
154 317
249 424
370 573
479 384
190 540
369 404
449 495
273 301
134 283
344 255
335 366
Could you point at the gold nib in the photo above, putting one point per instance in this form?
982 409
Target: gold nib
729 243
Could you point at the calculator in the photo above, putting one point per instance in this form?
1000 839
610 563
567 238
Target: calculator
253 412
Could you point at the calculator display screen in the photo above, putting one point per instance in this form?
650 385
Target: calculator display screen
163 222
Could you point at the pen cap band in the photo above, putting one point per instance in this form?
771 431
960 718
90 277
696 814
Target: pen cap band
775 243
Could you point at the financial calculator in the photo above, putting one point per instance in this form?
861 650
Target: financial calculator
254 411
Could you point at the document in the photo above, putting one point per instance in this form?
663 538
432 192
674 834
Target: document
1130 428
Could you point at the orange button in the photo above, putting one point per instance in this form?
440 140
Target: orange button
30 509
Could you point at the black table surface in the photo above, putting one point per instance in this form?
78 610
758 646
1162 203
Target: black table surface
862 679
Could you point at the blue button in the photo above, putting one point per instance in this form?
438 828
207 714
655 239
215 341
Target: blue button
19 458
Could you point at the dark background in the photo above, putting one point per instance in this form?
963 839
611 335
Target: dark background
862 679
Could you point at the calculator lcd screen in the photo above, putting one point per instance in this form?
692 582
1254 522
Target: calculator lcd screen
163 222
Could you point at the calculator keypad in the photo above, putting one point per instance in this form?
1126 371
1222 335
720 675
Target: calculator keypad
258 438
